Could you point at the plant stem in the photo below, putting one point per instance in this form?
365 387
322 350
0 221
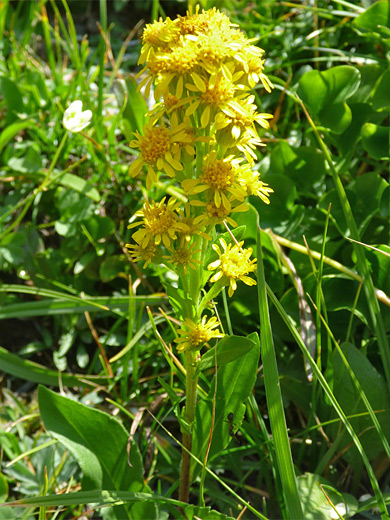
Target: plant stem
189 414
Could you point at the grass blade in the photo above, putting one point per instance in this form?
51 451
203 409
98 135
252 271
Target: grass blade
274 397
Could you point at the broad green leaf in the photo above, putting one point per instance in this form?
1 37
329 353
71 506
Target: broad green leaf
26 157
326 94
370 73
361 113
381 97
336 116
9 90
333 86
80 185
314 501
376 140
364 195
228 349
112 267
99 227
380 266
375 388
304 165
10 131
375 18
283 199
99 444
233 385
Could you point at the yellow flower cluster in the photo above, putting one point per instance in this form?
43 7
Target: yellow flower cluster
202 134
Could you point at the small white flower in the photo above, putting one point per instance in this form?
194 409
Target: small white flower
75 119
341 510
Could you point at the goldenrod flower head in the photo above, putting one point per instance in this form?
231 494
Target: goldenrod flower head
195 224
160 223
239 115
233 264
250 180
219 178
217 215
138 253
183 256
211 94
156 148
195 335
157 35
75 119
200 44
169 104
247 144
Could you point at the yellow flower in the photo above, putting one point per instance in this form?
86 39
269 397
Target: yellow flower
253 66
241 114
219 215
250 180
219 179
170 67
205 22
157 35
248 143
212 94
158 151
138 253
183 256
195 335
233 264
160 223
194 224
168 105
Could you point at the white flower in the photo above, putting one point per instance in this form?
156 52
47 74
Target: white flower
341 510
75 119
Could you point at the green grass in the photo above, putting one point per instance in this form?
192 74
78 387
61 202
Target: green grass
81 320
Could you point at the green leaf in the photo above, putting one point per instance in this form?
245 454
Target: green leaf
13 99
314 501
228 349
112 267
26 157
134 106
80 185
326 93
3 488
234 384
380 266
336 116
104 464
110 497
375 388
10 131
361 113
376 140
374 18
364 195
99 227
304 165
30 371
381 97
116 305
178 300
